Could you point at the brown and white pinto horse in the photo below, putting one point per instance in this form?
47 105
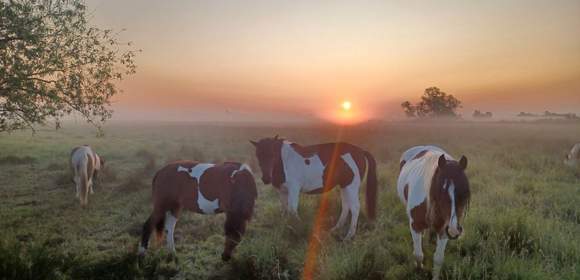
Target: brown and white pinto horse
204 188
436 194
293 169
85 165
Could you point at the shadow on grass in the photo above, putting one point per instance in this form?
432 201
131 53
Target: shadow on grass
18 261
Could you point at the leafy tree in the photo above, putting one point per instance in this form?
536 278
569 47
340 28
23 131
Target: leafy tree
53 62
434 103
479 114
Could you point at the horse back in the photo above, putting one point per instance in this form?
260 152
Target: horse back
175 188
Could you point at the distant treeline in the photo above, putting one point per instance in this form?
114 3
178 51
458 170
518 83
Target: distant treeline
550 115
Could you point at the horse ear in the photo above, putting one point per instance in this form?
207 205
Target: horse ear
254 143
463 162
442 161
276 137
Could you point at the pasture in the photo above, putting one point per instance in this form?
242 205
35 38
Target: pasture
523 221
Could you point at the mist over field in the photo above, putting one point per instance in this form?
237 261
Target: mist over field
123 89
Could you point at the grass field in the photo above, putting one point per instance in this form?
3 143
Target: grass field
523 222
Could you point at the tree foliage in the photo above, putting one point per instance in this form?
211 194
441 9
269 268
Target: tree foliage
53 62
481 115
434 103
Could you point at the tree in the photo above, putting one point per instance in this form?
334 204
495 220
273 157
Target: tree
434 103
54 63
479 114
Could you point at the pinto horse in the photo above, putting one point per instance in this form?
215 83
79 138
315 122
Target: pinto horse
204 188
293 169
85 165
436 194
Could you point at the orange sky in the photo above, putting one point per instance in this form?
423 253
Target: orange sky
298 60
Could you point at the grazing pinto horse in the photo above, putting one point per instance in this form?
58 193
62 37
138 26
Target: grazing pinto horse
85 165
204 188
435 190
293 169
573 156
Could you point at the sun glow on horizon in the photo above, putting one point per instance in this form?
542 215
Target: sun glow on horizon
346 105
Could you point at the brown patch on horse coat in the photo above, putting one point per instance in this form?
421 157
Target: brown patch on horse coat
406 192
402 164
90 166
419 216
420 154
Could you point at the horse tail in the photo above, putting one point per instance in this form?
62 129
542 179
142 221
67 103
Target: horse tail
154 222
371 191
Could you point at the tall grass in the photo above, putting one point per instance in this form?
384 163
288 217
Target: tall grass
523 222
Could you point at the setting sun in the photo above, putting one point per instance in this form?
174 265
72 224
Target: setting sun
346 105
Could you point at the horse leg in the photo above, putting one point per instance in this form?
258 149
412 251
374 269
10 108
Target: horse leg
91 186
283 193
354 206
343 211
293 199
77 187
417 247
234 227
170 221
145 235
438 256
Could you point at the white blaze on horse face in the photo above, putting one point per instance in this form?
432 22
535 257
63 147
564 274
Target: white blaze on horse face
207 206
453 226
304 173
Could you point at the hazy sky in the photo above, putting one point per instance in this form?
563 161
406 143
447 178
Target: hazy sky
295 60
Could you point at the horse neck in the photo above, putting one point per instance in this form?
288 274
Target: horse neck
432 204
278 176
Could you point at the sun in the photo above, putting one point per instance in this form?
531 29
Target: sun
346 105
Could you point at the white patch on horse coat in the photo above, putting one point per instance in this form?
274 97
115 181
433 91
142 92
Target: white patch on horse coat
206 206
306 177
439 256
242 167
170 222
411 153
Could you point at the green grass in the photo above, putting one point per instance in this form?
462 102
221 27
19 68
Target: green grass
523 222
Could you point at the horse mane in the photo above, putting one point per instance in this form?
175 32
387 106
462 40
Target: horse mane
462 193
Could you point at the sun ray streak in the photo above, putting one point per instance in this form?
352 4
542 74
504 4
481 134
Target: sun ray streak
315 240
